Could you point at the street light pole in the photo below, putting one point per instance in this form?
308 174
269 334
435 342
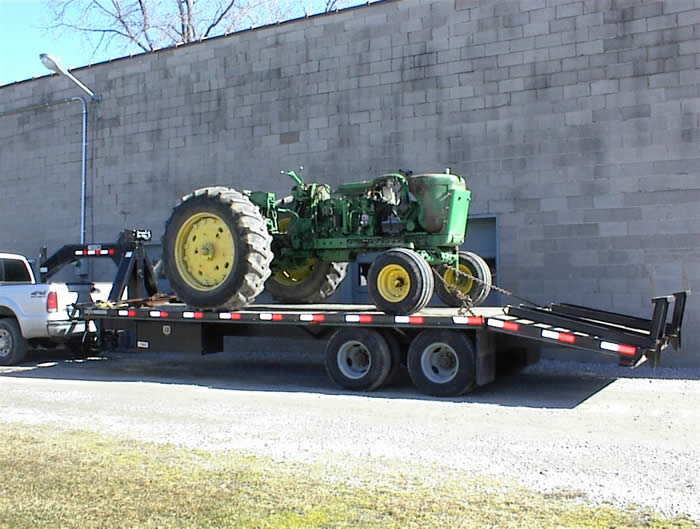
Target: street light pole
54 64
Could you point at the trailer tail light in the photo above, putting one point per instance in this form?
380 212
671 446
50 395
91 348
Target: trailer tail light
358 318
414 320
52 302
619 348
559 336
505 325
468 320
312 317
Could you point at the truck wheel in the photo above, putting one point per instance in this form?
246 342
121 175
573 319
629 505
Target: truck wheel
311 282
358 359
450 286
13 346
441 363
216 249
400 282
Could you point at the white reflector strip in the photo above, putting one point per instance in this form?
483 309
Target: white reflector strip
154 314
306 317
463 320
352 318
123 313
78 252
188 314
550 334
609 346
402 319
128 254
104 252
224 315
266 316
495 323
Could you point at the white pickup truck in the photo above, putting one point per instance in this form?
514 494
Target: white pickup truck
37 314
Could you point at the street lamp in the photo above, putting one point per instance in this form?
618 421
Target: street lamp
54 64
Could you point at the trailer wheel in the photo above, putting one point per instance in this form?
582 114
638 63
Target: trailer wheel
216 249
451 286
13 346
358 359
397 355
400 282
441 363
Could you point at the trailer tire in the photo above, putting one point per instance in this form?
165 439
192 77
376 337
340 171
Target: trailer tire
358 359
397 356
450 291
441 363
400 281
13 346
216 249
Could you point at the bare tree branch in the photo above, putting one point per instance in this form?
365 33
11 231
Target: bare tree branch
148 25
219 18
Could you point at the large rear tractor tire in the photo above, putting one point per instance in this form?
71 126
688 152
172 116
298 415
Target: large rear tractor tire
400 281
13 346
452 288
441 363
216 249
311 282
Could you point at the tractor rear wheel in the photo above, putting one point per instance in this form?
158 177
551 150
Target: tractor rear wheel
452 287
311 282
216 249
400 281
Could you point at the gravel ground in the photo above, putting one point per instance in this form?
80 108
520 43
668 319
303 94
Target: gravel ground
555 426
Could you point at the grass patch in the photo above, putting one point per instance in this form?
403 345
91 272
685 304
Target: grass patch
74 479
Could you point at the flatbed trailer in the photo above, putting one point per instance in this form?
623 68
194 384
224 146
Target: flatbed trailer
448 351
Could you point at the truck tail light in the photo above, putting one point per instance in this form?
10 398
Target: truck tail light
52 302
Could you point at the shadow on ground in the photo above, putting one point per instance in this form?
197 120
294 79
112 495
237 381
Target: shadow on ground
275 372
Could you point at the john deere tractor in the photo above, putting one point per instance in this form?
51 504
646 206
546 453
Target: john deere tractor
222 248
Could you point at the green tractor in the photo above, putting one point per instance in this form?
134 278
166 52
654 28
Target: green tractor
222 248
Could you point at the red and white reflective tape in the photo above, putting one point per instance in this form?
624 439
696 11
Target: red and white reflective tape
158 314
505 325
229 316
559 336
127 313
413 320
468 320
268 316
312 317
619 348
358 318
193 315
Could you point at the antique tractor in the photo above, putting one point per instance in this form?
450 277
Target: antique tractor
222 248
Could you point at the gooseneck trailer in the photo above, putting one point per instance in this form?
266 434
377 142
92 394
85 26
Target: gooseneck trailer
448 351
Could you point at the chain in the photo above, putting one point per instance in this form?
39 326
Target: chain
465 301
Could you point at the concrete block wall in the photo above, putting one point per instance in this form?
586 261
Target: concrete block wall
576 122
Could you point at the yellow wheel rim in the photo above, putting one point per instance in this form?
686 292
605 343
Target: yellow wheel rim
393 283
294 276
204 251
462 283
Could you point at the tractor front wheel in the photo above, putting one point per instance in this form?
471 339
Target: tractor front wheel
216 249
400 281
472 279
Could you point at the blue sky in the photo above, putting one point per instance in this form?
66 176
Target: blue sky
23 39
